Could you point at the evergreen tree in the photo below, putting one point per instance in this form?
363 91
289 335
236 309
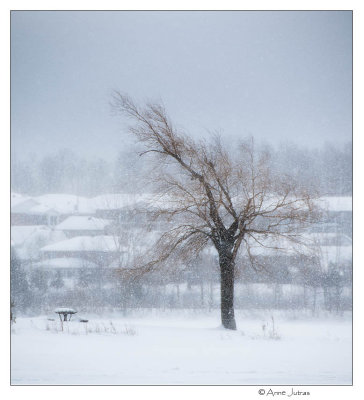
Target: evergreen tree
19 287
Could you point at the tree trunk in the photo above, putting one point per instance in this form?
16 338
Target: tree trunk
227 290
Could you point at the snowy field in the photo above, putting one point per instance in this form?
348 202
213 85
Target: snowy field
183 348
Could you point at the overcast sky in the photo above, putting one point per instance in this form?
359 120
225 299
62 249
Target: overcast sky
279 76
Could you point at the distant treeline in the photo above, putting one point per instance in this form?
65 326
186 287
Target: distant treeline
328 168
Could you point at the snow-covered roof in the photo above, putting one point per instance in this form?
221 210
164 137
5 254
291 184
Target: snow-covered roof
269 203
79 222
32 207
20 233
67 203
44 209
28 239
65 262
85 243
25 206
24 234
17 198
72 204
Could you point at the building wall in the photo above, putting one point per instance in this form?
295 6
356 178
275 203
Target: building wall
28 219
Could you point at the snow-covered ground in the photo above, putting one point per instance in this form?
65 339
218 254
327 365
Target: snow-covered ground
183 348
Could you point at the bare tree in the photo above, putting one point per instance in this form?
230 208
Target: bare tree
231 200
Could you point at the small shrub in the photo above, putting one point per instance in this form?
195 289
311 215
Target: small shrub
269 331
128 330
85 328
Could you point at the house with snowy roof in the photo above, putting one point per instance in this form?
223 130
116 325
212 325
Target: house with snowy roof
28 239
101 250
84 259
31 212
67 204
49 209
82 225
337 214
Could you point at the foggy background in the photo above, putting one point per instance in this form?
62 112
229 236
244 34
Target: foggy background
279 76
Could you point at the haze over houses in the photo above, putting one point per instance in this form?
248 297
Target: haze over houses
75 239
